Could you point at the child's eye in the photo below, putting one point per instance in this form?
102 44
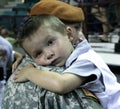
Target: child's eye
38 54
50 42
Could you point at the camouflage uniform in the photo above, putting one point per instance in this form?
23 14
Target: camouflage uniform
30 96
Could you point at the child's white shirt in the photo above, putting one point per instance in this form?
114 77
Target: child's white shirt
85 62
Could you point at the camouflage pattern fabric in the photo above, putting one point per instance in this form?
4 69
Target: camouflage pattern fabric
30 96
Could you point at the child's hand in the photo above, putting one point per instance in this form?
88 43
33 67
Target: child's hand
22 73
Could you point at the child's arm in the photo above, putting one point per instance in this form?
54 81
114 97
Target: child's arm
55 82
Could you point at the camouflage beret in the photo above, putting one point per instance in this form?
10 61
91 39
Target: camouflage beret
59 9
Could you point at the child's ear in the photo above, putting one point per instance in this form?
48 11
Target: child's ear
70 33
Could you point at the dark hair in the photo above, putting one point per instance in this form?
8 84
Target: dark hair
33 23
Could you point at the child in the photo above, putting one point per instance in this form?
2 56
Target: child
65 12
84 68
29 95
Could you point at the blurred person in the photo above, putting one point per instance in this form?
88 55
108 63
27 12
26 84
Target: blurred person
6 56
5 33
6 60
100 12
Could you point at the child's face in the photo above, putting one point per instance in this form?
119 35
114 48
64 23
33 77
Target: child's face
48 47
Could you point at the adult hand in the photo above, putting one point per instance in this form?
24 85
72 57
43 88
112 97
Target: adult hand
18 57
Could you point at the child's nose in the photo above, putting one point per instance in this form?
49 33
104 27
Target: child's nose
49 54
